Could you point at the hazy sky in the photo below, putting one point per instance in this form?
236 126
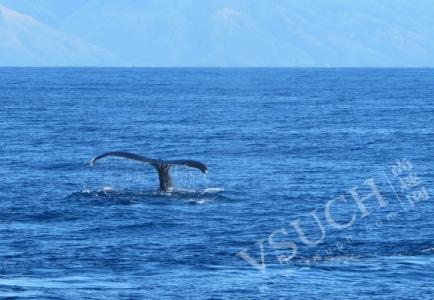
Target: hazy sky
279 33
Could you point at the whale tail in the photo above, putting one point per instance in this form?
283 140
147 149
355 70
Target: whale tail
161 166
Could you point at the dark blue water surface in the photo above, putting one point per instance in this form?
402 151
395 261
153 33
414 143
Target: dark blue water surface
279 144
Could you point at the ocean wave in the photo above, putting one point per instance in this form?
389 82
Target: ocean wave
192 196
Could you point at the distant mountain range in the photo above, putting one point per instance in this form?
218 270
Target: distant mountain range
316 33
25 41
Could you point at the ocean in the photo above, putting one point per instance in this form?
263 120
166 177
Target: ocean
319 183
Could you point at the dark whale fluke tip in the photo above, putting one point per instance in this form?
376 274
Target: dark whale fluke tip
162 166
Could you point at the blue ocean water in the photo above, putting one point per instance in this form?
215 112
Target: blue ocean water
280 145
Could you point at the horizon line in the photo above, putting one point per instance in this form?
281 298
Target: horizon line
221 67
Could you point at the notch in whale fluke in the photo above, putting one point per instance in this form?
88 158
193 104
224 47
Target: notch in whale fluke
162 166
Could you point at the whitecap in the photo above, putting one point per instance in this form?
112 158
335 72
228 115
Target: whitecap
213 190
107 189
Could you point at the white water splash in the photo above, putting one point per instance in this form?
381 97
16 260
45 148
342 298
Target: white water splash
213 190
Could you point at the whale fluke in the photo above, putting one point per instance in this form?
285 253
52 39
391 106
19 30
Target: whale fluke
124 155
188 163
162 166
